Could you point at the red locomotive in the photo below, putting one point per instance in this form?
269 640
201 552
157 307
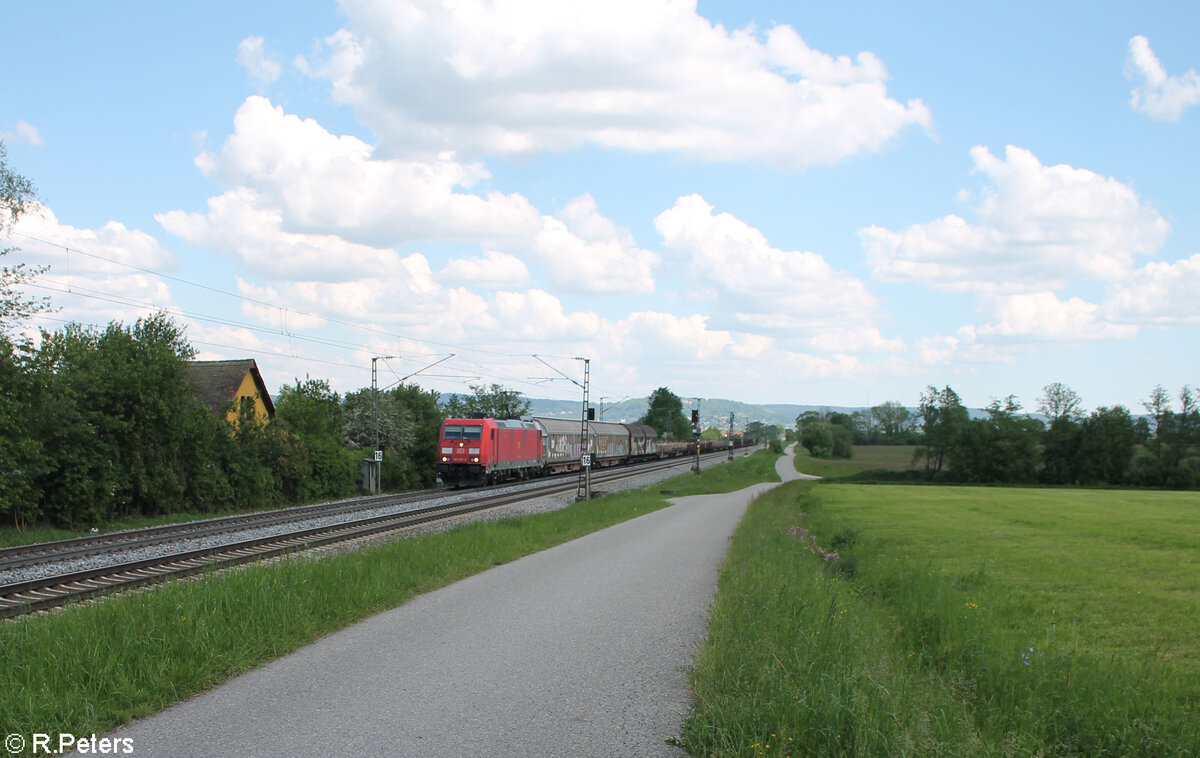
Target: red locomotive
487 450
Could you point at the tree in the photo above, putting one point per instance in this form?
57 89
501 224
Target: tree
866 427
489 402
826 434
311 409
1106 446
1182 435
943 419
893 421
664 412
1058 401
17 197
313 412
1159 408
426 417
20 450
817 439
1060 451
1174 439
119 424
373 420
1000 448
266 463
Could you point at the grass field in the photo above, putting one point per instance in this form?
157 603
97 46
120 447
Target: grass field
91 667
865 458
955 621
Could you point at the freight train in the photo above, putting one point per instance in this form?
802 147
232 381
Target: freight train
488 450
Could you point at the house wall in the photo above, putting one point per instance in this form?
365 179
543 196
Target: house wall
248 389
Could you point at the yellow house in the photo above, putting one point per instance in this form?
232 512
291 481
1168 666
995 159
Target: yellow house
222 385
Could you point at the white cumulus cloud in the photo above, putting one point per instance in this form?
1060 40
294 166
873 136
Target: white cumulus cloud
585 252
1160 96
1043 316
329 184
1159 294
262 68
481 77
763 286
23 132
1038 227
241 223
95 275
305 203
492 270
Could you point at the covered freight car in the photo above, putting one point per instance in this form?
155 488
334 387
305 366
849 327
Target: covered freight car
609 444
643 442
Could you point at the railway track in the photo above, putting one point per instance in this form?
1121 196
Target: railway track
83 547
27 596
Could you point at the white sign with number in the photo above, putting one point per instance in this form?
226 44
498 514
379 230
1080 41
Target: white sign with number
587 460
378 456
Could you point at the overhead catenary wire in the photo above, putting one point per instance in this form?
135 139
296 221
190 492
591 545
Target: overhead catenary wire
256 301
467 369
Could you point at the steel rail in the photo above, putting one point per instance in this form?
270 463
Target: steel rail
20 598
88 545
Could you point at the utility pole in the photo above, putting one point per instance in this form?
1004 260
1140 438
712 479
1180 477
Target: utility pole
374 465
731 435
584 490
610 406
585 456
696 436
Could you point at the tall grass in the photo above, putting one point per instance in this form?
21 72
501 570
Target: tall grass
905 646
797 663
91 667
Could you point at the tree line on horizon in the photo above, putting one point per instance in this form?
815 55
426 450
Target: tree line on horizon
1107 446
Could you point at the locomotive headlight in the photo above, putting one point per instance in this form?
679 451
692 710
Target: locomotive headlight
475 459
444 459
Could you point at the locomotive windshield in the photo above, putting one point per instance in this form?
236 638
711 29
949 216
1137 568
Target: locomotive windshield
458 432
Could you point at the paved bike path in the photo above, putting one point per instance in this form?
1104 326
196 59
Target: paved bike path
579 650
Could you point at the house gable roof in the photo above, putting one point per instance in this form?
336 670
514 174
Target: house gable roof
216 382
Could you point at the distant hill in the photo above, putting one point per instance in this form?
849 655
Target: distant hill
713 411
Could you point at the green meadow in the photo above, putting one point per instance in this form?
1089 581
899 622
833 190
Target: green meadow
865 458
955 621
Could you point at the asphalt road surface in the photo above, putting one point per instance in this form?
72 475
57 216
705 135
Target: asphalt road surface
579 650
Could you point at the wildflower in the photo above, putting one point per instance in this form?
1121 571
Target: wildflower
1027 656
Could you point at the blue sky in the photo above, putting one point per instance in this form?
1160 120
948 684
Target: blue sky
769 202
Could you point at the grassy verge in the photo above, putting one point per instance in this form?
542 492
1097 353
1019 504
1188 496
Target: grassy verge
865 458
954 622
91 667
728 477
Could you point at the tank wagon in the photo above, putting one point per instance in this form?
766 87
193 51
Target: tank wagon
488 450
